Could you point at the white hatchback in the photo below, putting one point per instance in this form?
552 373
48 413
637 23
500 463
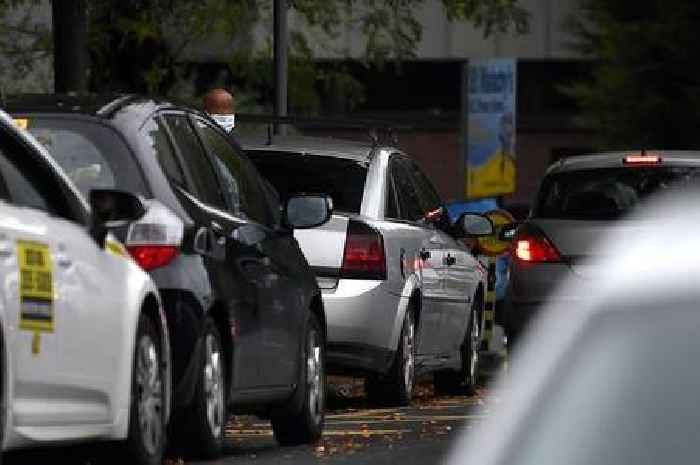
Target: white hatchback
85 351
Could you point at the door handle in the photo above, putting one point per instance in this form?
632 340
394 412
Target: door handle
436 240
424 254
219 233
64 261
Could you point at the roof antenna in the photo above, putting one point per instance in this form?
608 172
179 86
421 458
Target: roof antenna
374 136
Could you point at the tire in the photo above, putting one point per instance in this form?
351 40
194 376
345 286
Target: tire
147 430
302 420
207 418
464 380
396 387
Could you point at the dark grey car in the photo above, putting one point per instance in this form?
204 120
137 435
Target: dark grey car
580 199
245 315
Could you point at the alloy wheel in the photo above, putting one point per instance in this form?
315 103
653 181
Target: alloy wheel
407 342
314 377
214 385
149 394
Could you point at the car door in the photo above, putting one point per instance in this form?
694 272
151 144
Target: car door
425 243
458 272
273 262
202 197
58 281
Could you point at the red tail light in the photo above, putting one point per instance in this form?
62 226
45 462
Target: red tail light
150 257
364 256
532 246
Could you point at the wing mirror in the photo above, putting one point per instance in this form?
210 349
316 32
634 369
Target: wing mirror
112 209
308 211
475 225
507 233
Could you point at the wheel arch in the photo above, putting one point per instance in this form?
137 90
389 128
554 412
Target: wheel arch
316 308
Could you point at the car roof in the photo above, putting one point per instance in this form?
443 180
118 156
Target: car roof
615 159
319 146
127 110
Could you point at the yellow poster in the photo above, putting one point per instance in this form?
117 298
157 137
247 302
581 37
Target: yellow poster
490 146
36 291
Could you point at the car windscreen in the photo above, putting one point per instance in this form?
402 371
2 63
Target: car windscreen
607 193
92 155
617 398
294 173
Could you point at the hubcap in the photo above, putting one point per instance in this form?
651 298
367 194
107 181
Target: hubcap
408 357
213 385
474 343
150 394
314 377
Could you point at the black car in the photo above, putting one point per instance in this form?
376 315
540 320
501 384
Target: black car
245 315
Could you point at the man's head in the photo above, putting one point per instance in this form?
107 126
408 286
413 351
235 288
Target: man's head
220 104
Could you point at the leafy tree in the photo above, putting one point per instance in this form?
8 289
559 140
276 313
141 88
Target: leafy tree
645 90
25 48
145 45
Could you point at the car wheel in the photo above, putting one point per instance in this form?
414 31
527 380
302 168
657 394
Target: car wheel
302 421
464 380
396 388
147 437
208 415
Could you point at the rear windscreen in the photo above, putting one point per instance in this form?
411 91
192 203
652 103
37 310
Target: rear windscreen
292 173
604 194
92 155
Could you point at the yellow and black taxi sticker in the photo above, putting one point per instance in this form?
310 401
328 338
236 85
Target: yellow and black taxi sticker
36 291
22 123
116 248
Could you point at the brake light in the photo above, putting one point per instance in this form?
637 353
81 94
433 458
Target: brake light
364 256
533 246
642 160
155 242
150 257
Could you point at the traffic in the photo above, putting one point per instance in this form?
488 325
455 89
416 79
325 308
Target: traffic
139 236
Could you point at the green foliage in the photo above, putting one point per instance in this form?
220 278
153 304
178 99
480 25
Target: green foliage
148 45
25 48
645 89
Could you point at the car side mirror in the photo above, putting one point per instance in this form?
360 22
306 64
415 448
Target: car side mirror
475 225
308 211
507 233
112 209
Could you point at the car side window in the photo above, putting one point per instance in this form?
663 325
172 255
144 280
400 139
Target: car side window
31 184
408 200
196 161
430 200
241 184
392 208
159 141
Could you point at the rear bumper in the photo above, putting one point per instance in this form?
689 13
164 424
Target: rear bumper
533 286
363 322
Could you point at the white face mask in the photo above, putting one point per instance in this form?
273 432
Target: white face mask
228 122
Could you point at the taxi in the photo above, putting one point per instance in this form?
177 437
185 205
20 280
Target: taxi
84 350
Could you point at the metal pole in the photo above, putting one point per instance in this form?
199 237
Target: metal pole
70 45
281 44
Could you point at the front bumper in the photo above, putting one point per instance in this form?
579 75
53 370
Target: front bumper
364 322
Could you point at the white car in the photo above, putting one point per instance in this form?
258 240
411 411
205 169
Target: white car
85 351
611 379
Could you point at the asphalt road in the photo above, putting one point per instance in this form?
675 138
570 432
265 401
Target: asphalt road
355 433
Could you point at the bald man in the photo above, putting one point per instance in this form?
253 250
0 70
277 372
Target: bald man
220 105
